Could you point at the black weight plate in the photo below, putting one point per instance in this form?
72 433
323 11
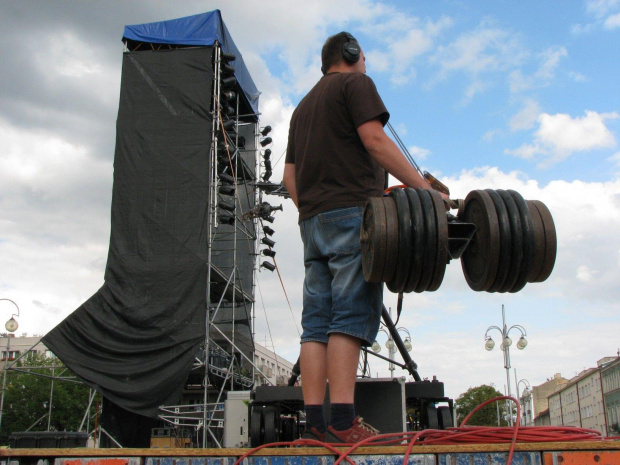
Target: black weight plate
539 240
505 241
391 253
256 427
431 416
445 417
516 232
528 241
441 259
551 241
270 423
481 257
417 238
430 233
397 284
373 240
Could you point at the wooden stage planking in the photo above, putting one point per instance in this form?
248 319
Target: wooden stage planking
604 452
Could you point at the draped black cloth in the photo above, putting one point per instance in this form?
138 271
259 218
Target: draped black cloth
134 340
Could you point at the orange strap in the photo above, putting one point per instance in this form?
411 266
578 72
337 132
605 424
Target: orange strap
389 189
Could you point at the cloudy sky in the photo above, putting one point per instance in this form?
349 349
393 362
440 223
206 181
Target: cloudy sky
487 94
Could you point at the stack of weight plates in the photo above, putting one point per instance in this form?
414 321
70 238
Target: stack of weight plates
405 240
514 243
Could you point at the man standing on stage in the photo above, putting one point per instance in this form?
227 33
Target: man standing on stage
337 156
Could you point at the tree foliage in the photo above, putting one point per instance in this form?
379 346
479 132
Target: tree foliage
28 395
486 416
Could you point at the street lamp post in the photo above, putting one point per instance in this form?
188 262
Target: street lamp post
505 346
527 390
391 346
11 326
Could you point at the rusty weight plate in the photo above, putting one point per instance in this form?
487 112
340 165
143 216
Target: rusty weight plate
528 241
441 259
539 242
481 257
516 233
430 246
417 239
505 241
373 239
391 254
403 260
551 242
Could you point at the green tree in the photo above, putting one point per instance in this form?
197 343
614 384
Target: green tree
472 398
27 398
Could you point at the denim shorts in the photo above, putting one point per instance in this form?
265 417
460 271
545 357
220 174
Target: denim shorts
336 297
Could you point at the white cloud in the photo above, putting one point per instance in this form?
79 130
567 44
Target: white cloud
548 61
477 86
518 82
398 39
54 226
612 22
559 136
606 13
526 117
568 134
585 274
578 29
490 135
615 158
419 153
577 77
488 52
483 50
527 151
380 62
404 40
67 56
268 25
601 8
414 43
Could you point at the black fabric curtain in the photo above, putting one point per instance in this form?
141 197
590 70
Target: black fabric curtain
134 341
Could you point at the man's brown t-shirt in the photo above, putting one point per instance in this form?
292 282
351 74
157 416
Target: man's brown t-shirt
332 167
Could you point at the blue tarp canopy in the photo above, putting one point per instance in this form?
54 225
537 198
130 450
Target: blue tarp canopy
197 30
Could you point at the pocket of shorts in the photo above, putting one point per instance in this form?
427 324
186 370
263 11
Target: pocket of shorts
341 229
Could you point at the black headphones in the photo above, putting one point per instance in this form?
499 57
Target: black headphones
351 49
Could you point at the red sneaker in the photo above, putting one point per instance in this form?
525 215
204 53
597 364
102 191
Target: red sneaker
358 432
313 433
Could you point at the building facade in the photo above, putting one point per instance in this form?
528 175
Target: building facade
535 400
542 419
270 367
11 347
580 402
590 398
610 384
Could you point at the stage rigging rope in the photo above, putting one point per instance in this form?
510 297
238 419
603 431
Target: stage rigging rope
286 295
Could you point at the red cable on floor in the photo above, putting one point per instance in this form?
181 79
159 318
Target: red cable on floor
455 436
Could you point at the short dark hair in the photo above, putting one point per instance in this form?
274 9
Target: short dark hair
331 54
